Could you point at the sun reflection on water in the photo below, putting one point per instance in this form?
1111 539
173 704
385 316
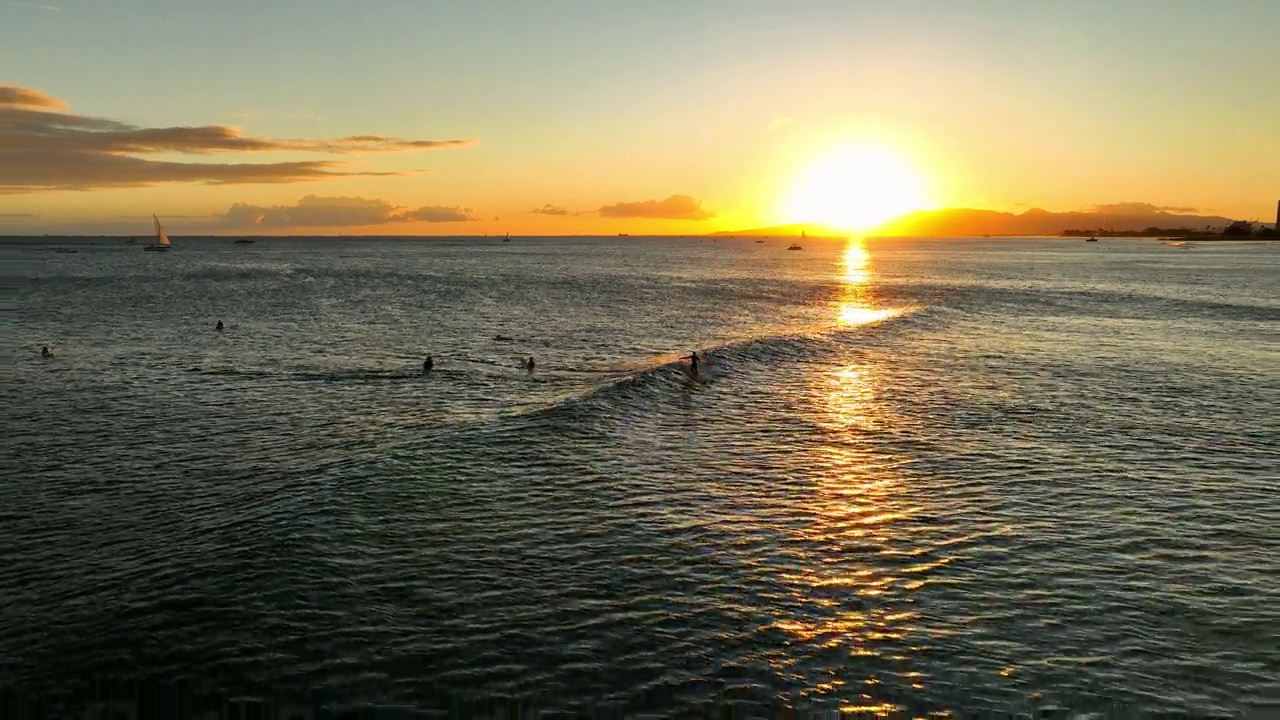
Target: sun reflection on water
855 593
856 306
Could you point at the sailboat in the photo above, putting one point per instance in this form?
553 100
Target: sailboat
796 246
508 237
162 240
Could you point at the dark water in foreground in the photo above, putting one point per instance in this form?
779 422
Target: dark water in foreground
919 476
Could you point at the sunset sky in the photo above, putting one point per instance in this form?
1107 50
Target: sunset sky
401 117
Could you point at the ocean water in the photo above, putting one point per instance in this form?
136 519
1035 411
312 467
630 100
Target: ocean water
916 476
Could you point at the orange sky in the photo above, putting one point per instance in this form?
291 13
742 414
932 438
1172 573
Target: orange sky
668 118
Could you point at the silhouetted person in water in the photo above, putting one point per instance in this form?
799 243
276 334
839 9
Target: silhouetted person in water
46 353
428 364
528 365
218 326
693 363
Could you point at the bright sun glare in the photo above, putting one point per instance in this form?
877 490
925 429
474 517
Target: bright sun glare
855 188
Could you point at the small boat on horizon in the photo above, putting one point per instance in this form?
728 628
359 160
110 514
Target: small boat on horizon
162 239
244 241
1092 239
795 247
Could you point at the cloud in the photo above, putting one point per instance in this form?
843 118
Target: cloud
26 97
440 213
26 172
1139 208
42 150
316 211
550 209
313 211
676 207
35 6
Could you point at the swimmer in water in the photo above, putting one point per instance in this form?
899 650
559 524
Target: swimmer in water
46 353
218 326
528 365
428 364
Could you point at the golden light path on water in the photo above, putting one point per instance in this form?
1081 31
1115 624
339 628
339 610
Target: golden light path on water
857 593
856 307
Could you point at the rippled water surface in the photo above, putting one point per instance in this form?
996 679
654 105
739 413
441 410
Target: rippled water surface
916 476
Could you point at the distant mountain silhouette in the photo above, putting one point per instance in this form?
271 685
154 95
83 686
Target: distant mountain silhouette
965 222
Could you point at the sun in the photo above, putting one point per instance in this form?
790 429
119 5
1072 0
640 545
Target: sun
855 188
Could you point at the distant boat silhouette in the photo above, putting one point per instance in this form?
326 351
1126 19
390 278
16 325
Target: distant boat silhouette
507 238
1092 239
162 239
795 247
244 241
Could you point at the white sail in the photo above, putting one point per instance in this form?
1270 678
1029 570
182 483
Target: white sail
161 237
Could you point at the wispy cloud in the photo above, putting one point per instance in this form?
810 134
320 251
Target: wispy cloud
676 207
316 211
42 149
34 6
550 209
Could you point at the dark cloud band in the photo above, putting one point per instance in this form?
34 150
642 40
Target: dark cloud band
42 149
316 211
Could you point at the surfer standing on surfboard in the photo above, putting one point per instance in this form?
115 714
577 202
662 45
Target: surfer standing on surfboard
693 363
